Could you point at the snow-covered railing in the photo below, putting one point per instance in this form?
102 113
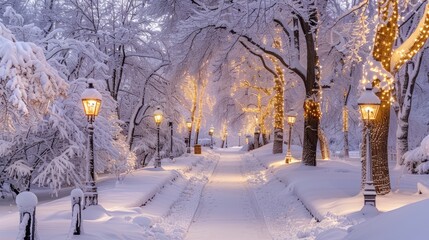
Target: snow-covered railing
76 202
26 202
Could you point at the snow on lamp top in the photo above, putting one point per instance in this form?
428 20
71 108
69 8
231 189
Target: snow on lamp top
369 104
26 201
91 100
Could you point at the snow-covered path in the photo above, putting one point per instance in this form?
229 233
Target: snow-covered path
227 209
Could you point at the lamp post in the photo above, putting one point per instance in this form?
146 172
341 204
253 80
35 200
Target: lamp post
239 138
157 115
91 100
211 131
170 124
189 125
369 104
226 138
291 118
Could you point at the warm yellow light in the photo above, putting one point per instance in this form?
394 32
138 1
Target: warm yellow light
291 117
211 130
189 124
369 112
157 115
369 104
91 100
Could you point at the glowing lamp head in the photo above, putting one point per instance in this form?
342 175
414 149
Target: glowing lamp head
257 129
291 117
91 100
157 115
211 130
189 124
239 134
369 104
226 132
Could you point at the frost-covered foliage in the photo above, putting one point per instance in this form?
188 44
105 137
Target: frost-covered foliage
44 139
417 160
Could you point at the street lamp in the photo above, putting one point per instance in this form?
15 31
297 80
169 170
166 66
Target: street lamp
291 118
239 138
369 104
170 124
157 115
189 125
91 100
226 138
211 131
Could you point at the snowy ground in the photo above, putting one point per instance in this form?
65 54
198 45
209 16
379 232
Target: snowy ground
230 194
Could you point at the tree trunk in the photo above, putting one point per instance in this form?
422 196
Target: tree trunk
264 139
197 134
346 145
311 124
256 141
324 145
278 141
379 140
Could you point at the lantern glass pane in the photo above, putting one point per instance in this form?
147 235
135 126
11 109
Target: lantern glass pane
369 111
91 106
291 119
158 118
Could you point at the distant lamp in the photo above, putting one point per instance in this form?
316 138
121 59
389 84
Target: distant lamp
189 126
157 115
369 104
291 118
211 131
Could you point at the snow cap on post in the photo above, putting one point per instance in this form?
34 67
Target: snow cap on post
91 100
369 103
26 201
76 193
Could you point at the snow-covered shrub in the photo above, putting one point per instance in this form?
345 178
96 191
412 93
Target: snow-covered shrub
417 160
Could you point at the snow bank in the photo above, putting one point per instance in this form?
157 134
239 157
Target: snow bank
417 160
409 222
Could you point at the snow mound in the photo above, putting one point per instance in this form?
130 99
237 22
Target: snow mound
95 212
402 223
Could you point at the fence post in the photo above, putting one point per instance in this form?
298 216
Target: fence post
76 202
26 202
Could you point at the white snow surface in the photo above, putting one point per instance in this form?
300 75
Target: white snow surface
232 194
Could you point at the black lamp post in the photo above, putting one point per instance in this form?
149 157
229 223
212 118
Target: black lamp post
189 126
91 100
157 115
291 118
369 104
239 139
211 131
170 124
226 138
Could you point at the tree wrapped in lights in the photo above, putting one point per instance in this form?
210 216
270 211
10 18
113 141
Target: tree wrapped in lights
279 84
380 71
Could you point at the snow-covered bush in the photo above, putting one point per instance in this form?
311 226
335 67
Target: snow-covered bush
417 160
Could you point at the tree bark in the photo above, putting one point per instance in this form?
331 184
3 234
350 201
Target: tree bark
324 145
311 125
278 141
